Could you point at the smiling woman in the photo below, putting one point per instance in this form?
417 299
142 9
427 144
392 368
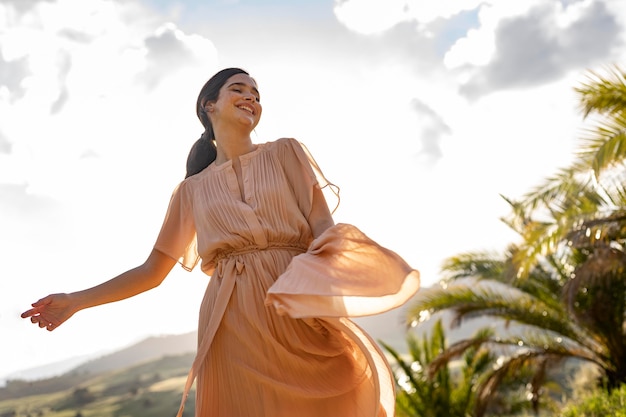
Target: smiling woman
204 150
284 278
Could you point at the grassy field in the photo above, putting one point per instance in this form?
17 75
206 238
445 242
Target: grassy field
150 389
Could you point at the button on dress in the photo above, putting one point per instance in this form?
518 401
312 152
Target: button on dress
274 337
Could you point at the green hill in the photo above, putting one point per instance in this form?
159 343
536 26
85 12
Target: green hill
146 350
152 389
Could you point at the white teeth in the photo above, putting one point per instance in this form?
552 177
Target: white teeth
248 109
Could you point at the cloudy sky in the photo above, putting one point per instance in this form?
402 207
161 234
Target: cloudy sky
423 112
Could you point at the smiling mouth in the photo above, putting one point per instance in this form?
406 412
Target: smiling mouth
246 108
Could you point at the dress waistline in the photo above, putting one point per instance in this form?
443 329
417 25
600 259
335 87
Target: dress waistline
225 254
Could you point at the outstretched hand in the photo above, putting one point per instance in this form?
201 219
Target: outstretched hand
51 311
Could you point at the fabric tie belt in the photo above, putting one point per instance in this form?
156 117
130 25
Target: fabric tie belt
224 259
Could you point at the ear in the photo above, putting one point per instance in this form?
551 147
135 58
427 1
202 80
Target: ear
207 106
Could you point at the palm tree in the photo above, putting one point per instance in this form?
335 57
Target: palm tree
429 385
543 338
426 390
564 285
579 198
604 95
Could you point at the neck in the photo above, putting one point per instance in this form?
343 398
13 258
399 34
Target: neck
231 145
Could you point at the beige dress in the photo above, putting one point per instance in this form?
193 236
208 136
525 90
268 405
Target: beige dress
274 340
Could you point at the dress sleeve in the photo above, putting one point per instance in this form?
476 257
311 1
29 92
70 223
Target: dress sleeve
302 168
343 273
177 238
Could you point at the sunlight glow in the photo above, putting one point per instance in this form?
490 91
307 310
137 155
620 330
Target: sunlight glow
405 383
424 315
417 367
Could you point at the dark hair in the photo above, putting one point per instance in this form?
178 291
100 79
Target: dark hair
204 152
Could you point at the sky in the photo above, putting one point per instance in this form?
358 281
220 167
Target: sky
425 113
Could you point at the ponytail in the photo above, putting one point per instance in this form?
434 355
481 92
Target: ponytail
201 155
204 152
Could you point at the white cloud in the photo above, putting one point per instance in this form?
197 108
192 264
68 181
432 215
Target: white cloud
433 128
80 63
478 46
94 150
169 51
370 16
375 16
530 43
511 44
425 11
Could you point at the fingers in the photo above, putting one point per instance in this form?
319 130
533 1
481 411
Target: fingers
28 313
43 323
38 316
31 312
48 312
36 307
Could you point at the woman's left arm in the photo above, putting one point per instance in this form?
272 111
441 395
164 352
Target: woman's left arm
320 218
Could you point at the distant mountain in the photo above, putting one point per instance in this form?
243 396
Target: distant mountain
144 390
145 351
43 380
49 370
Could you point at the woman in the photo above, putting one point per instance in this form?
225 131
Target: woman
273 337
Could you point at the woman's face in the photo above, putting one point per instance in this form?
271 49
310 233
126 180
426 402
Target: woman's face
238 102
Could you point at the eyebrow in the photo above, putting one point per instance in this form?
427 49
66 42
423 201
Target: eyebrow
246 85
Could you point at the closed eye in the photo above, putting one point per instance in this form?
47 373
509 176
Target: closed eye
236 88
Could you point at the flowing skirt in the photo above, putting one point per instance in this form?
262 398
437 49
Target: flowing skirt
274 335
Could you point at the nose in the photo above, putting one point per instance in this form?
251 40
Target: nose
249 97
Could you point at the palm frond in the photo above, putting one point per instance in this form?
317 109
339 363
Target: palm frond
482 336
604 144
603 93
479 265
413 402
467 302
511 365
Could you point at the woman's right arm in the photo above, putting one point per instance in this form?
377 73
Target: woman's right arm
51 311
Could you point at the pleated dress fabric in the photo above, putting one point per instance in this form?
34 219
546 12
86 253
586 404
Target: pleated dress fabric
274 338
